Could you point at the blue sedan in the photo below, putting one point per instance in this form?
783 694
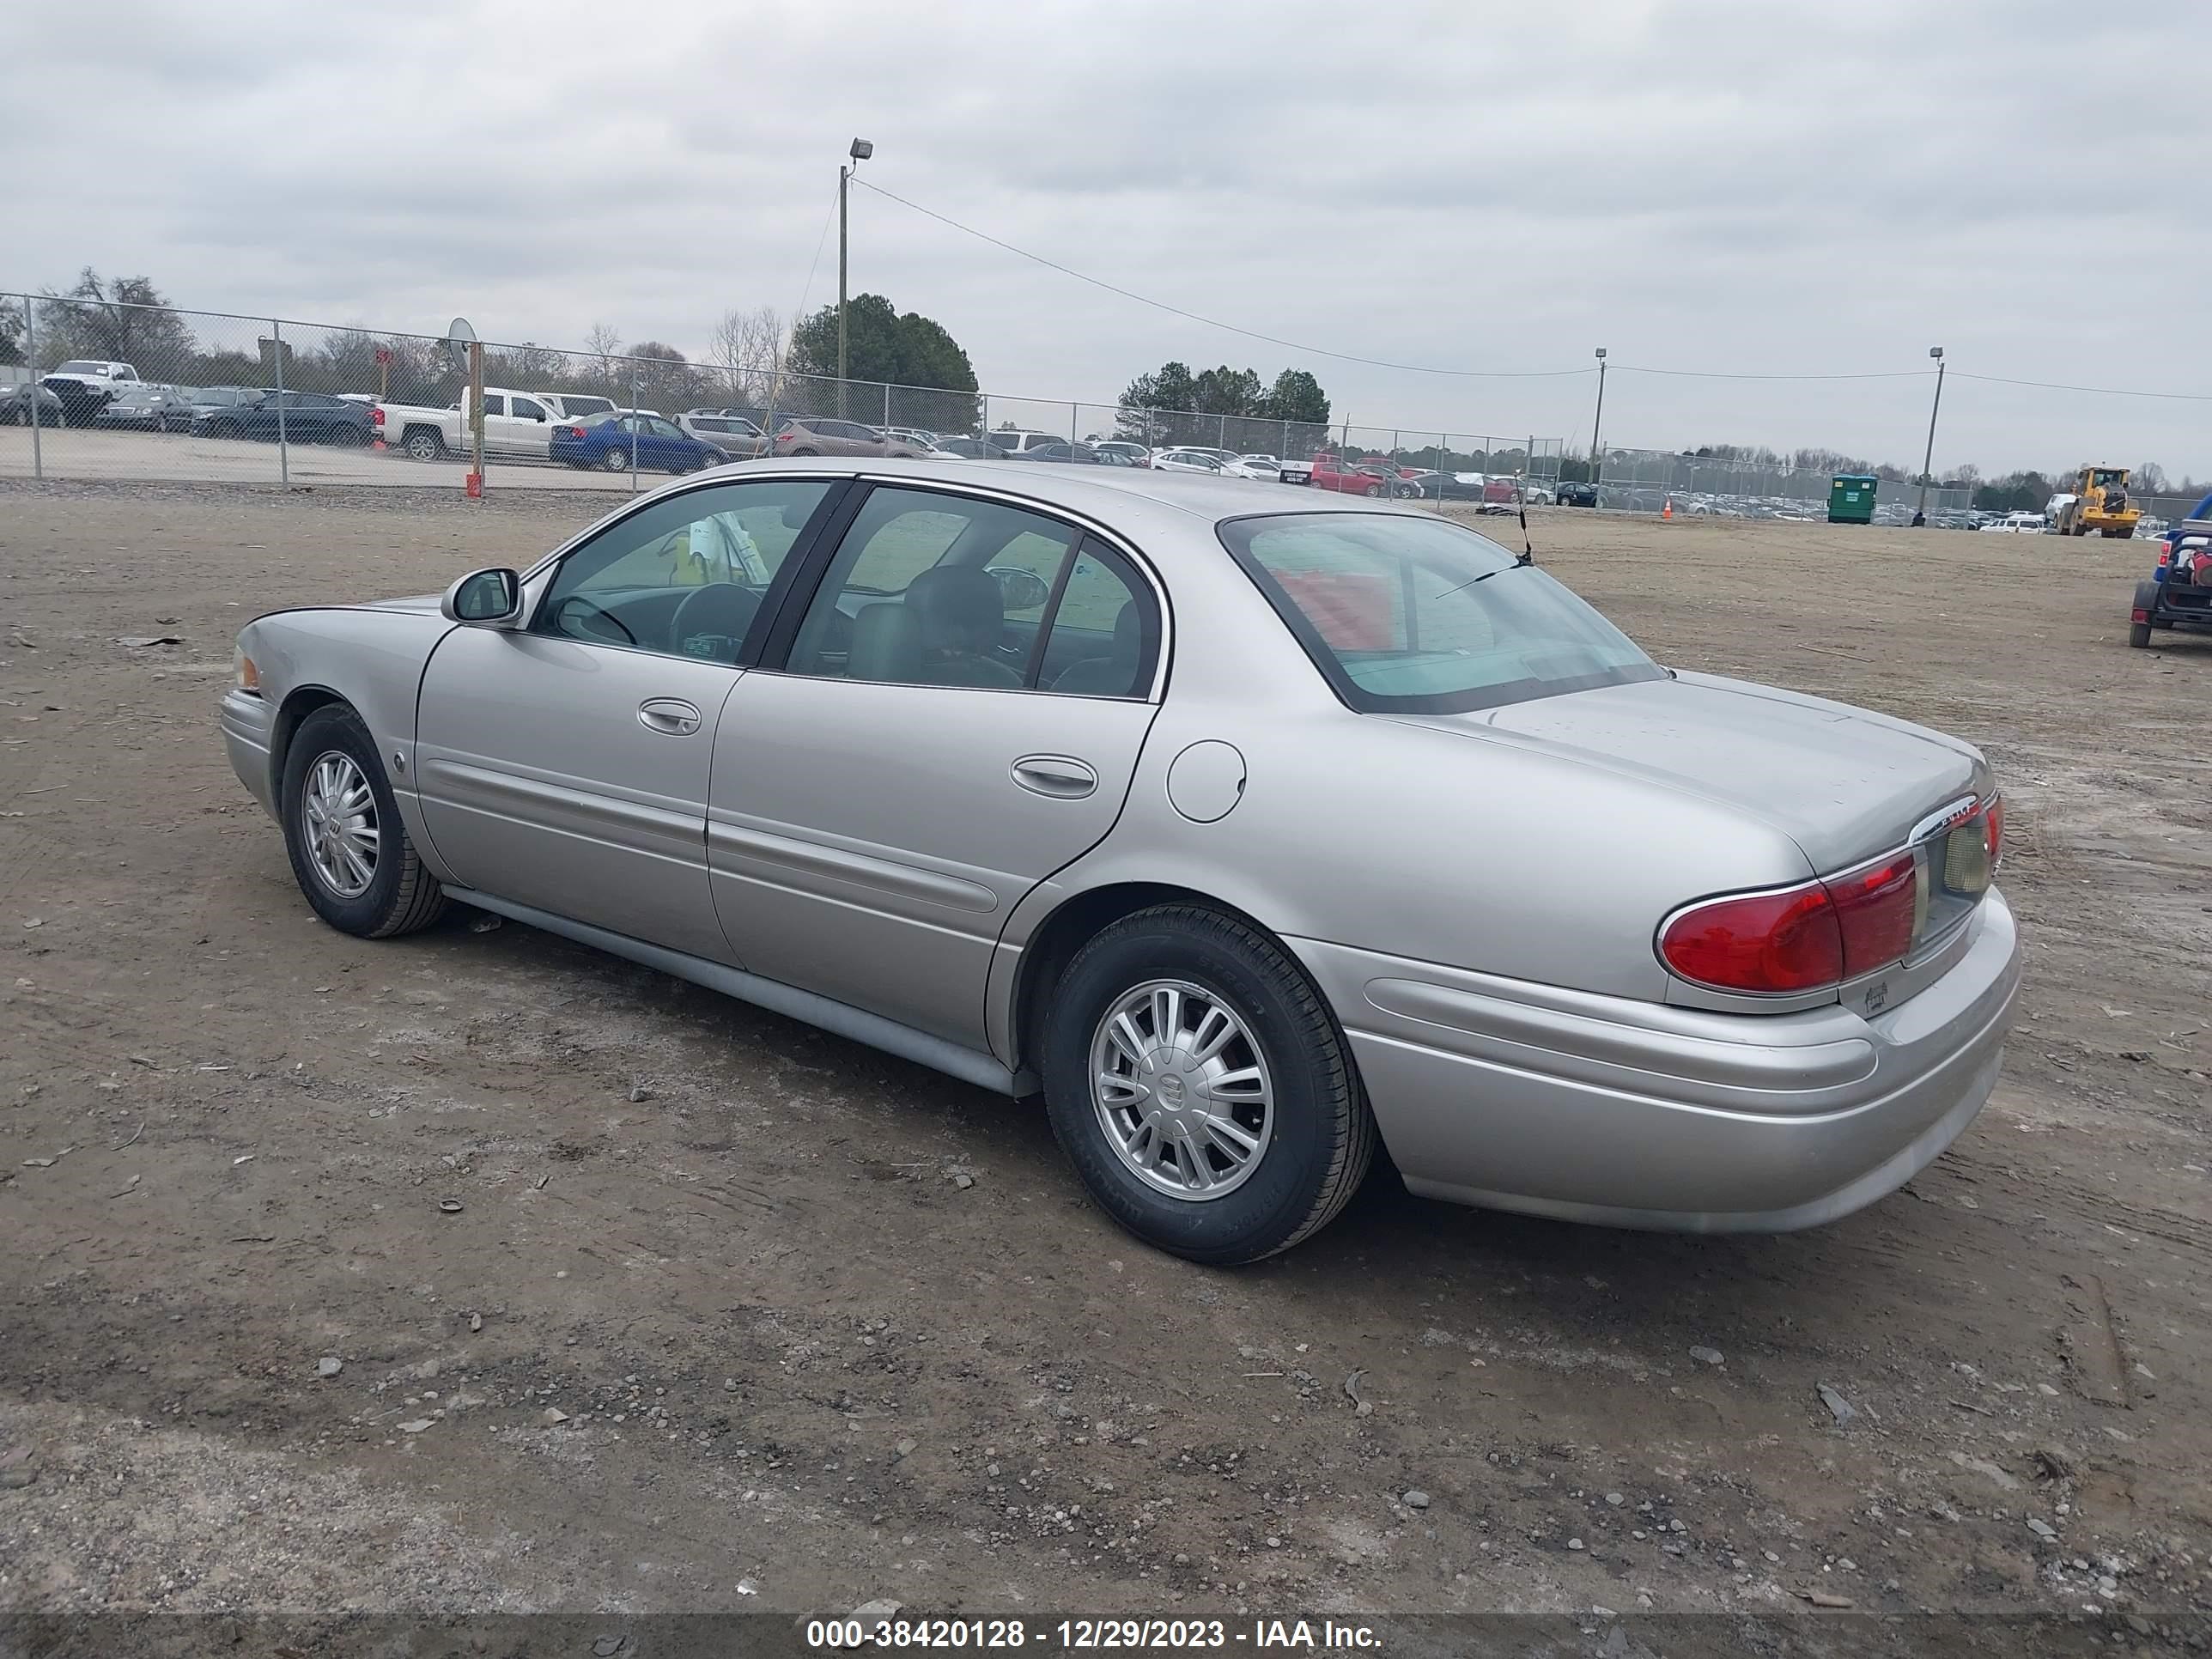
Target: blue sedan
607 440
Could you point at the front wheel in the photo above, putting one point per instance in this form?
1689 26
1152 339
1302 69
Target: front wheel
1199 1085
1372 490
349 850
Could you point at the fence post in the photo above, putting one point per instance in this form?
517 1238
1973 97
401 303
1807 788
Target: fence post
1224 428
31 356
283 440
1441 446
984 436
1283 454
887 402
1074 420
633 426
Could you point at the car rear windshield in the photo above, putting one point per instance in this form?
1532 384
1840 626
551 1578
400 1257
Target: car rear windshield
1403 614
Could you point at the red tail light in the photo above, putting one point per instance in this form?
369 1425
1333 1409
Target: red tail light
1876 910
1994 823
1771 942
376 417
572 432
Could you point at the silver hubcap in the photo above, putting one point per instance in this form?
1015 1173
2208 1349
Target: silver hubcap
1181 1090
337 818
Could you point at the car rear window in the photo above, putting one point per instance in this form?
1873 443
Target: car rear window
1408 614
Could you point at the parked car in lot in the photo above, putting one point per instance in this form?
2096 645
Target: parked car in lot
612 441
85 386
201 404
1202 461
1572 492
969 449
1135 454
573 405
147 407
1017 444
1370 477
300 417
736 435
1153 794
21 404
816 434
516 423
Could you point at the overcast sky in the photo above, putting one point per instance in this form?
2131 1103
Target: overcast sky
1772 187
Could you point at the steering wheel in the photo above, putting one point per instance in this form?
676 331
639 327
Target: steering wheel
560 616
723 609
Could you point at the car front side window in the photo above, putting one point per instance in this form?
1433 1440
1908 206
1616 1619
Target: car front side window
685 577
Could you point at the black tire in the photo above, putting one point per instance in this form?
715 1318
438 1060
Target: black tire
2138 635
806 451
616 460
1323 1138
401 896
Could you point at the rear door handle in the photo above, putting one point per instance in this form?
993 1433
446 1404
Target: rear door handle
1061 777
671 717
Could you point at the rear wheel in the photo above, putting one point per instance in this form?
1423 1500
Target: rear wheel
1199 1085
349 850
424 445
2139 634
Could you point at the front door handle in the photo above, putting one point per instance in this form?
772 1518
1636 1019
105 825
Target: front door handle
1061 777
671 717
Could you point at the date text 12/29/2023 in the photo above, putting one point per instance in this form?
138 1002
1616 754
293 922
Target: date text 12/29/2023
1088 1635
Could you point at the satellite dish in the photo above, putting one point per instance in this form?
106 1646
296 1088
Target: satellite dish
460 333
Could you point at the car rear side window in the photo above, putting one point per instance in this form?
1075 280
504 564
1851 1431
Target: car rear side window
1404 613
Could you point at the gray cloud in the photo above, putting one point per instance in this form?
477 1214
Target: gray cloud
1712 183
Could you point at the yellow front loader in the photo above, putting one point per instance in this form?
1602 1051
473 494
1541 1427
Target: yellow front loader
2101 505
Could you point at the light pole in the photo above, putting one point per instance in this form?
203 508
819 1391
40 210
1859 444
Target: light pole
860 151
1598 419
1920 516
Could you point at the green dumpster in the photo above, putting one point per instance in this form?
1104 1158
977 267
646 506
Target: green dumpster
1850 499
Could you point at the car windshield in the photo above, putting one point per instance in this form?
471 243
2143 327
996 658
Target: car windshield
80 367
1414 615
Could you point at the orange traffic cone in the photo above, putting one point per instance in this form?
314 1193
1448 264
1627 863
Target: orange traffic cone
1667 511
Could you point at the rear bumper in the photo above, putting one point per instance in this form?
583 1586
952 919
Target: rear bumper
247 723
1512 1096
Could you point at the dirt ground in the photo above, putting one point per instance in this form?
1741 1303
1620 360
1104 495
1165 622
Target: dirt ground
643 1300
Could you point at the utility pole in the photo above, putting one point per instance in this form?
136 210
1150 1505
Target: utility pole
1597 421
860 151
1927 460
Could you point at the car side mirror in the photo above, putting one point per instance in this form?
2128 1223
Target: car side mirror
1018 589
484 598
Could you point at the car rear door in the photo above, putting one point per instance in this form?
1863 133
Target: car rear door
887 796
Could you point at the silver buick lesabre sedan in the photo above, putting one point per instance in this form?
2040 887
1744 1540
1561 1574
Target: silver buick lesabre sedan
1245 827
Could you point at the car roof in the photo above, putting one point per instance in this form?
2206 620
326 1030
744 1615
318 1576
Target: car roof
1106 493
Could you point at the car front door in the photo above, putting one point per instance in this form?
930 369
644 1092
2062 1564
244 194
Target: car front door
564 765
883 799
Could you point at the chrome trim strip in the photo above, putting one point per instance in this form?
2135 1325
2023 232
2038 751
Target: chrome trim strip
1795 1067
1942 818
841 1019
928 886
654 822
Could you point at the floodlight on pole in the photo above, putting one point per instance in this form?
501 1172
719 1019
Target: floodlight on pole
860 151
1928 460
1597 421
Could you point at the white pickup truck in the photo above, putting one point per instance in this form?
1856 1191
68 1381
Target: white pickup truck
86 387
515 423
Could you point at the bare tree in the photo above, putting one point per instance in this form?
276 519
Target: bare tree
748 349
603 341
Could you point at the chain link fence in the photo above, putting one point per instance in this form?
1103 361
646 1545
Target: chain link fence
105 390
102 390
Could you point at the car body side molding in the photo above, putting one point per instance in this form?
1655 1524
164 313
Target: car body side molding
840 1018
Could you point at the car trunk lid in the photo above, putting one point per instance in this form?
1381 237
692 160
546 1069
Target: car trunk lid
1845 784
